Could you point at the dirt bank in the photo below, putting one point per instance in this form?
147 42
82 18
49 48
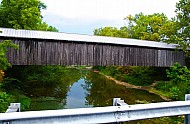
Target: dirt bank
150 88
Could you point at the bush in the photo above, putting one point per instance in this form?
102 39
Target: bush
131 74
139 75
175 93
4 64
25 102
5 99
179 83
178 74
164 86
18 97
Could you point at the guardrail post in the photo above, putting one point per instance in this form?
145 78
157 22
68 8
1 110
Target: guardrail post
118 102
115 101
187 117
14 107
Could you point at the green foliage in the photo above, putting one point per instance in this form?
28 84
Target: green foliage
22 14
111 31
164 86
130 74
39 81
179 83
18 14
45 27
153 27
19 97
42 80
181 29
182 10
4 101
139 75
101 91
183 22
46 103
14 95
175 93
44 74
4 64
25 102
178 74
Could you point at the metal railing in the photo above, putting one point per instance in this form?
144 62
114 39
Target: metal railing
14 107
101 114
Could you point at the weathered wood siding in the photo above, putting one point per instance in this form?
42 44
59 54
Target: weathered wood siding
46 52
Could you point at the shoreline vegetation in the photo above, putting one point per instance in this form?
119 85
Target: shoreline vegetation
169 83
149 88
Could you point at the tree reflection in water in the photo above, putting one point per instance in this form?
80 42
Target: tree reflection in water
48 87
51 93
101 91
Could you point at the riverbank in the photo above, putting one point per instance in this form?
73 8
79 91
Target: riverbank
149 88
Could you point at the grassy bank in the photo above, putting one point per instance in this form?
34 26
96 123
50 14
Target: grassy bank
173 82
165 88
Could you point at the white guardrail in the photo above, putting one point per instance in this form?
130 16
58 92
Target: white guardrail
109 114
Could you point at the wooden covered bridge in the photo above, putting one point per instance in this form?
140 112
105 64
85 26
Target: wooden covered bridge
50 48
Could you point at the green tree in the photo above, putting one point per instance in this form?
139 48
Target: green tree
178 74
45 27
155 27
182 27
112 32
18 14
4 64
5 99
22 14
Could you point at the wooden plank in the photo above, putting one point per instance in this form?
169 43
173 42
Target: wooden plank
45 52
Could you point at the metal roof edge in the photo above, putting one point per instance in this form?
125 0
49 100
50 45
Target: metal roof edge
33 34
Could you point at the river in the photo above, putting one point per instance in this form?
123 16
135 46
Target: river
82 89
90 90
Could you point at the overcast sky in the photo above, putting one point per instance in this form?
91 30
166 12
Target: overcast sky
83 16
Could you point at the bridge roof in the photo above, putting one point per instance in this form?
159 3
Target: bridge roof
32 34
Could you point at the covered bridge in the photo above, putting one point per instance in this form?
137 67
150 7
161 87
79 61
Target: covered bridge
52 48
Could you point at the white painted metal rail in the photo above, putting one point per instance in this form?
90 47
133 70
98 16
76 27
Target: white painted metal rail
99 114
14 107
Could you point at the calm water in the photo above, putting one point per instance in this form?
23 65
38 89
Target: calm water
89 89
76 97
